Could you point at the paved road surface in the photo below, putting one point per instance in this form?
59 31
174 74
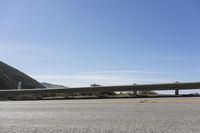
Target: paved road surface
167 115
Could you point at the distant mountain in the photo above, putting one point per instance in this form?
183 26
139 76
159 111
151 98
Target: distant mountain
9 78
49 85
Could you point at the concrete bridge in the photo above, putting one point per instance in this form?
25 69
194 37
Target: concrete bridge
136 87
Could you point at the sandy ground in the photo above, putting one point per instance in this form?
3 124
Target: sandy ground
158 115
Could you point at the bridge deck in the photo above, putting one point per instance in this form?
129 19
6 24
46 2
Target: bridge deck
142 87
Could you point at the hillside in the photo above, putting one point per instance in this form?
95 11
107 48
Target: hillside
9 78
49 85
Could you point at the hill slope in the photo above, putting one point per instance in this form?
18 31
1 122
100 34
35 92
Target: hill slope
9 78
49 85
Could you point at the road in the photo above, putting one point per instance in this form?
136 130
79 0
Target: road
158 115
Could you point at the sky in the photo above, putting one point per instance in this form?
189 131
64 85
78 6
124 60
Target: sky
107 42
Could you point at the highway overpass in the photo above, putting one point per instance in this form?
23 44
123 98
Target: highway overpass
136 87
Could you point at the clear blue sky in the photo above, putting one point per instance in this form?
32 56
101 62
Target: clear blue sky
78 42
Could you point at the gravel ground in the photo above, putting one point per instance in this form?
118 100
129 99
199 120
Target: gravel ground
166 115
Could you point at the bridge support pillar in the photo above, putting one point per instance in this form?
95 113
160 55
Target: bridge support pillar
176 92
135 92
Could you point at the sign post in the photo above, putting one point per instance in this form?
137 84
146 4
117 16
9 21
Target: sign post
19 85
